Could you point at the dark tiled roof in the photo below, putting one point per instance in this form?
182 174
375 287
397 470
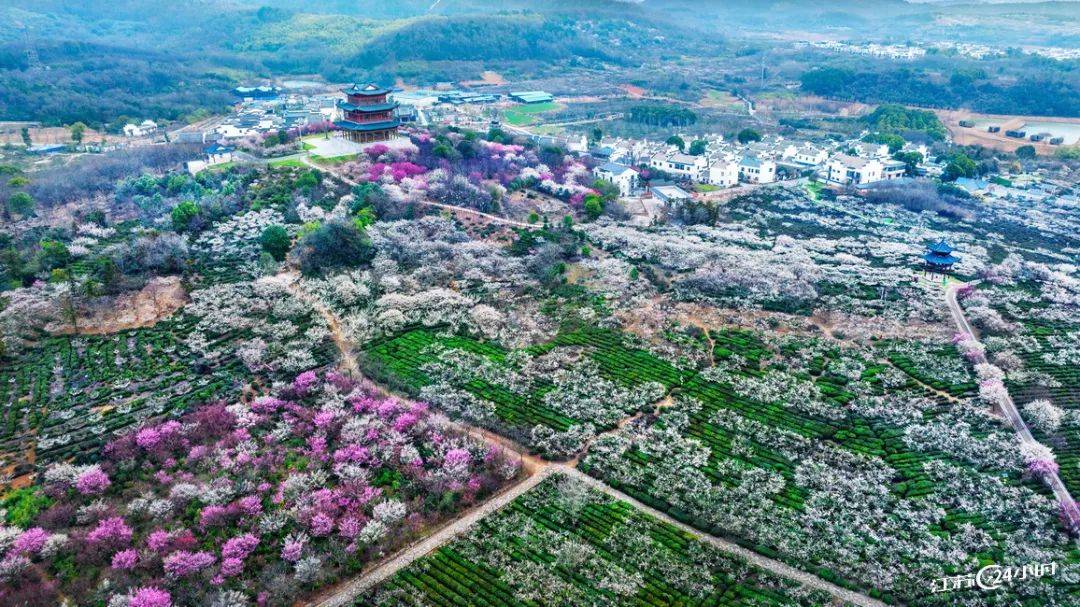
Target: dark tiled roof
374 107
365 90
368 126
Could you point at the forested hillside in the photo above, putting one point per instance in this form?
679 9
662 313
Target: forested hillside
1041 94
98 84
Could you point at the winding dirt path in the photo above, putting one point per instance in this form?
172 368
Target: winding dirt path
290 280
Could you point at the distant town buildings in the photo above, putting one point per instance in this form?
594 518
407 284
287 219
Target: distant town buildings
890 51
964 49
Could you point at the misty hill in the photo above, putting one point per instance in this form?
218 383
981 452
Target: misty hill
168 59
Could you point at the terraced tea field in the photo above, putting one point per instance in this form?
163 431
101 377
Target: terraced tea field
563 543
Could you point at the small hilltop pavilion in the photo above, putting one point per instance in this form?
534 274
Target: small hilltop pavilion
368 114
939 258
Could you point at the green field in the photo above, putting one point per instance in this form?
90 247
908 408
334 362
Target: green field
522 115
723 413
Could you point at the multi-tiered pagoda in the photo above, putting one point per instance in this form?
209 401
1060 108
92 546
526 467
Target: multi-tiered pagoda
368 114
939 257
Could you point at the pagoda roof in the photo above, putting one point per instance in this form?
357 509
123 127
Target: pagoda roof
941 247
940 260
368 126
374 107
366 90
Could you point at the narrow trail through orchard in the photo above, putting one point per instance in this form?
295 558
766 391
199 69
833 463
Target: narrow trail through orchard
289 280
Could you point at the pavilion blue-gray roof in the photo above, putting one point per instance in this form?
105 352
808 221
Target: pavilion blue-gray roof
940 260
941 247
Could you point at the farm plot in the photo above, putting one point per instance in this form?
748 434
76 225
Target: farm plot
522 115
563 543
783 429
67 396
1029 331
553 397
861 464
244 503
933 365
1051 373
1062 392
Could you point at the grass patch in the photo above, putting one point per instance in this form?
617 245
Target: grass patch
522 115
333 160
723 100
288 162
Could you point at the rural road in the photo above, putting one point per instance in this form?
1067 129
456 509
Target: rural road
1011 412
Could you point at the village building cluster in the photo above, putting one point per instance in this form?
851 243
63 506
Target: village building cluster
726 164
651 176
971 50
254 116
888 51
